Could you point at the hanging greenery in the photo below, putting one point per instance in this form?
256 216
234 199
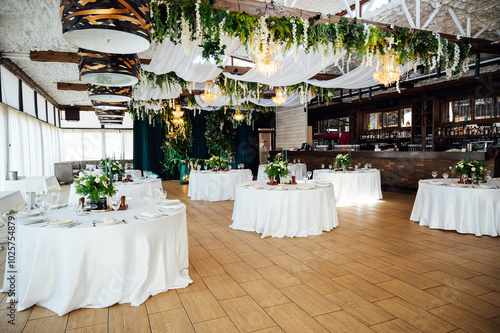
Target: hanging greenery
220 133
206 26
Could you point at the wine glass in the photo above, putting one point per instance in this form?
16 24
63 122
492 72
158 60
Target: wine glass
298 161
229 167
445 175
55 196
147 199
205 166
330 166
39 199
322 165
44 209
305 179
356 167
434 174
163 196
309 174
488 174
369 165
294 161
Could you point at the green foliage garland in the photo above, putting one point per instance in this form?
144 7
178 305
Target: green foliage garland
220 134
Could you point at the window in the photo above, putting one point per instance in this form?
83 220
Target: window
374 120
483 108
336 125
460 110
391 119
406 117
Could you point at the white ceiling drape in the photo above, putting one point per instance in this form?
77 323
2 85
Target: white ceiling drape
169 57
146 93
296 68
221 101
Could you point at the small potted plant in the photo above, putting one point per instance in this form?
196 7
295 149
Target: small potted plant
473 169
112 168
217 163
96 188
342 161
275 169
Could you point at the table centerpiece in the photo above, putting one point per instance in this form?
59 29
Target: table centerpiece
472 168
217 163
276 170
111 168
342 161
96 187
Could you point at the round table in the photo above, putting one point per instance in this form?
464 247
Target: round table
468 209
280 211
63 269
136 189
353 186
299 170
216 186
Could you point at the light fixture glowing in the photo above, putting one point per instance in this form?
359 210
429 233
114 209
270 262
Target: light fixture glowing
178 113
265 64
280 97
238 116
208 96
390 72
106 69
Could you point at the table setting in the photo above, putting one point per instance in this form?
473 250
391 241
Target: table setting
307 208
353 186
74 257
472 207
297 169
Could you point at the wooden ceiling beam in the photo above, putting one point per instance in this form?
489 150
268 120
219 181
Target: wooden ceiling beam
71 86
68 57
79 107
353 8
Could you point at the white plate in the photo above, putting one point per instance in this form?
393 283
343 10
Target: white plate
113 221
305 188
63 223
256 187
168 202
31 219
278 188
323 184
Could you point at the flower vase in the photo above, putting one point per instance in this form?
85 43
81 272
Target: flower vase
272 181
101 204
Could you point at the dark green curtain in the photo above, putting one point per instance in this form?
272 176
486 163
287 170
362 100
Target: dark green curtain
148 140
200 149
246 149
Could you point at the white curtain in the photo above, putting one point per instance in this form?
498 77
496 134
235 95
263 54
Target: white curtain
29 146
170 57
292 100
146 93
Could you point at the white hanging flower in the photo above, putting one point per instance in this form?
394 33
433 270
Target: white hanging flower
199 32
305 41
185 35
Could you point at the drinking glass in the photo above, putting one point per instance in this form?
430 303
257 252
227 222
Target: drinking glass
330 166
44 209
309 174
205 166
434 174
55 196
322 166
359 165
294 161
305 179
366 165
147 199
298 161
163 195
445 175
115 202
488 174
356 167
369 165
229 167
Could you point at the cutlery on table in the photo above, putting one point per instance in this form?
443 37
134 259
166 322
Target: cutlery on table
124 221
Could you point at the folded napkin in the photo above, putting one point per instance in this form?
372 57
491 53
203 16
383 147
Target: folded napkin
435 182
63 222
31 219
305 187
171 201
255 186
148 214
173 207
28 213
108 220
242 184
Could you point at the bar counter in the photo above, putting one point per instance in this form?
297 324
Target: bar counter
400 170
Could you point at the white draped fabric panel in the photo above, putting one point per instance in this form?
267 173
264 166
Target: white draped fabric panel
29 146
169 57
292 100
296 69
146 93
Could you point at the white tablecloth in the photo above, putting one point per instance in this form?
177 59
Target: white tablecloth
353 186
468 209
136 189
291 212
32 185
215 186
299 170
10 200
63 269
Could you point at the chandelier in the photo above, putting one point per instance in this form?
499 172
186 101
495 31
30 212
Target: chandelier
280 97
390 72
238 116
208 96
178 113
109 94
265 64
107 25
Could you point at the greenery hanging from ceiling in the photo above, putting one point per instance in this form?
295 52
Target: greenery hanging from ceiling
207 26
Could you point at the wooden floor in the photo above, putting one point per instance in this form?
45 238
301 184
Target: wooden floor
377 271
